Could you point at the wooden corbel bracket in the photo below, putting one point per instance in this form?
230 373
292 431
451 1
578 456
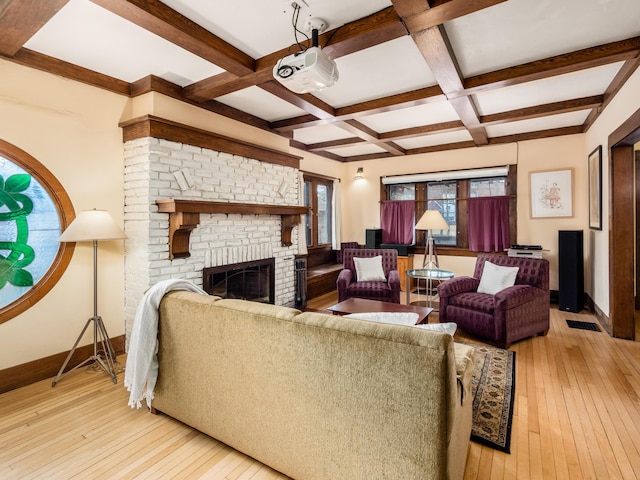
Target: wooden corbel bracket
184 217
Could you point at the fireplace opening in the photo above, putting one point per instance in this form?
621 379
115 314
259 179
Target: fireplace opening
254 281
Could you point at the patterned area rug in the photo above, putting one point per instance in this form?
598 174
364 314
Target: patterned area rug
493 386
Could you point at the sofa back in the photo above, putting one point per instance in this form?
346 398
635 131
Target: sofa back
314 396
532 271
389 258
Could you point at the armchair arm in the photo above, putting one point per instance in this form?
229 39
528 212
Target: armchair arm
516 295
394 280
457 285
344 279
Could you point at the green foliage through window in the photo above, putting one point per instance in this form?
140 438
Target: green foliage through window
21 254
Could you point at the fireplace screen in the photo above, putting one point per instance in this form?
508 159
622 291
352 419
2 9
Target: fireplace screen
246 281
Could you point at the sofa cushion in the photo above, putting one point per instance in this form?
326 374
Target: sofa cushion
360 289
369 269
496 278
482 302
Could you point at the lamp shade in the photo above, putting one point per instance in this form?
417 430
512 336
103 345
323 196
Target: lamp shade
432 220
92 225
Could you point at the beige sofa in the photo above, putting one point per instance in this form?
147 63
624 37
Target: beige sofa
316 396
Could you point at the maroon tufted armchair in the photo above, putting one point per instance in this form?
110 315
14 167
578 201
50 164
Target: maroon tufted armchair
348 285
512 314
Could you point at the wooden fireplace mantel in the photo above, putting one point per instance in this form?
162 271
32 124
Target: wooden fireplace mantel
184 217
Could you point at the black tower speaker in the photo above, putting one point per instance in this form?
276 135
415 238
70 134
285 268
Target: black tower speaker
373 238
570 271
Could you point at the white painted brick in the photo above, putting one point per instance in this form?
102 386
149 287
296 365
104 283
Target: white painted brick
219 239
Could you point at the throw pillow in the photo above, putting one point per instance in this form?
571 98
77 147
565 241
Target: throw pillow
397 318
369 269
448 327
404 318
496 278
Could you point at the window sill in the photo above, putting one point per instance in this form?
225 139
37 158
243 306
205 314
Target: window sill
451 251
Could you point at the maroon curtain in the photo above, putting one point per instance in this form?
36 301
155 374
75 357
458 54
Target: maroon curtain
397 220
488 224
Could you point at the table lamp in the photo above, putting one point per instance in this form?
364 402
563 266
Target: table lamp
91 226
431 220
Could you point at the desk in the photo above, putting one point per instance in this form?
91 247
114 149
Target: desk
429 275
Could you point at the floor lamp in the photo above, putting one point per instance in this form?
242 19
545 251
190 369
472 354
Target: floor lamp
91 226
431 220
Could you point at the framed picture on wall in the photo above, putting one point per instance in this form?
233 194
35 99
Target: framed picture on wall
552 193
595 188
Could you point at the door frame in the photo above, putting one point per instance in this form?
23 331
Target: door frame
622 227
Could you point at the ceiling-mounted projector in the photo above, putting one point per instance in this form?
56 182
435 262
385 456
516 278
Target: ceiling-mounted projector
307 71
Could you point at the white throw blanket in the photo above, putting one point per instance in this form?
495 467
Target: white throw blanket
142 358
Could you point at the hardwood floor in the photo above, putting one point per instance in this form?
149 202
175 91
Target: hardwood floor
577 415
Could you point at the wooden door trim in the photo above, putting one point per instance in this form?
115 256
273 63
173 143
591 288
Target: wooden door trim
621 227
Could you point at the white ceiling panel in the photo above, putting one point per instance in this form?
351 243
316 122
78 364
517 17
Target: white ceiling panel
87 35
584 83
320 133
392 67
537 124
352 151
261 27
434 139
520 31
260 103
428 114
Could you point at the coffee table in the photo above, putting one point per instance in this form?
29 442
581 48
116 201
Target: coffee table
361 305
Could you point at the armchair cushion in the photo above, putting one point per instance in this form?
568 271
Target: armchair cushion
495 278
369 269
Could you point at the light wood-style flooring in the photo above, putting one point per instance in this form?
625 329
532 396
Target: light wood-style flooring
577 416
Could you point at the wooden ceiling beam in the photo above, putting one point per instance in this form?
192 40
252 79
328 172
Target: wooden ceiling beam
431 39
55 66
558 65
342 142
391 103
422 130
628 69
21 19
370 136
306 102
156 17
538 111
445 12
437 52
521 137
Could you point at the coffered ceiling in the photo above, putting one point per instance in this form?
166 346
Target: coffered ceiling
415 76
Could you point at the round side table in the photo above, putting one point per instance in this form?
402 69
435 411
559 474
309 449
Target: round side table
428 275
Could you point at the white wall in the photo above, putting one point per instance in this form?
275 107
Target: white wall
72 130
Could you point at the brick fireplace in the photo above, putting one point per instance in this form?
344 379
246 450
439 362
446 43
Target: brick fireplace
160 169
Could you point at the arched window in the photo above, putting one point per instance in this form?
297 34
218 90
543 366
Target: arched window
34 210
